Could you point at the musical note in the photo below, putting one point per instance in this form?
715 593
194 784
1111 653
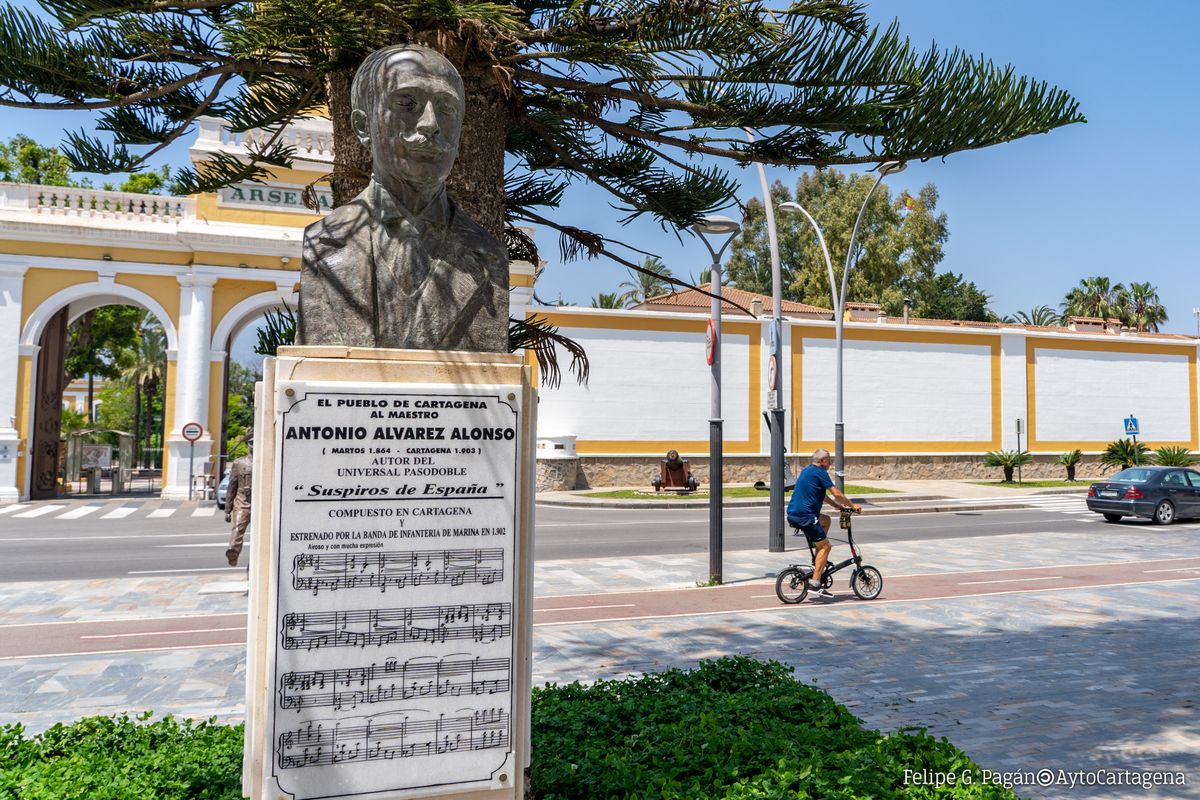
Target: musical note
333 571
335 742
391 681
480 622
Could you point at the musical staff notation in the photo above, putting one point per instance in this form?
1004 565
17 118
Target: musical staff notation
331 571
333 742
479 622
392 681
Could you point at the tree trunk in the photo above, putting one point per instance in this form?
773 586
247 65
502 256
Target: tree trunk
477 180
1008 471
1070 472
137 417
91 393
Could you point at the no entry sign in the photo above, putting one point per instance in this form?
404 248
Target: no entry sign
192 431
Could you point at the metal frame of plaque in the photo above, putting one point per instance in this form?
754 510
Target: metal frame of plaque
391 593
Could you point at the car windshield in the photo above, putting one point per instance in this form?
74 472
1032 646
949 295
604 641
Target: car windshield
1133 475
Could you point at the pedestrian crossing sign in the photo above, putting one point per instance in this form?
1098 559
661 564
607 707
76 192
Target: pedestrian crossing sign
1131 426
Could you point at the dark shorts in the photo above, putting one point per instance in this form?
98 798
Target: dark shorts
810 525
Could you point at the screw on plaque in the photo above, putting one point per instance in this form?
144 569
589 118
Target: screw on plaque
512 396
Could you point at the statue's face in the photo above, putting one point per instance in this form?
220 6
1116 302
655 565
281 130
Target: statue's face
415 131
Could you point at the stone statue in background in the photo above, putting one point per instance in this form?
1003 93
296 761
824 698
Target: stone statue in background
401 265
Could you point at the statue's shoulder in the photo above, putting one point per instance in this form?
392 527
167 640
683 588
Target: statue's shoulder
339 226
474 237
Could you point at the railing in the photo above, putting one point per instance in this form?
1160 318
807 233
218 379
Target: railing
95 203
311 138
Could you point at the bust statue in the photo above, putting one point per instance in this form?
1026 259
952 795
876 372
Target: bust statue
401 265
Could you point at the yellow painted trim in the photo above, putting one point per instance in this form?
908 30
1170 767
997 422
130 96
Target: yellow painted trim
23 425
93 252
164 289
215 259
41 284
750 445
169 421
520 279
215 424
228 292
1146 348
207 209
853 446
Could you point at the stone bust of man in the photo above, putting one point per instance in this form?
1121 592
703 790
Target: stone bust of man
401 266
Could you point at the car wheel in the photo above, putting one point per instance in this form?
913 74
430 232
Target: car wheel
1164 513
1112 517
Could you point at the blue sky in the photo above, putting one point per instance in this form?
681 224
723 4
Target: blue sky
1027 219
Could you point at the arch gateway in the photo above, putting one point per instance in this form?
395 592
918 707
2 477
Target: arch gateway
206 266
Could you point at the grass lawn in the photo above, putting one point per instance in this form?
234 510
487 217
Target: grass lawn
1032 484
736 491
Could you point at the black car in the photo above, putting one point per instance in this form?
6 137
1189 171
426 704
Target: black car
1163 494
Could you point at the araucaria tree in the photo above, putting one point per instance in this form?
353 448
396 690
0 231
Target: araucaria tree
644 99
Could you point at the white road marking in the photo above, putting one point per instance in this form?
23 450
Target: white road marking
161 633
81 511
159 513
38 511
142 536
127 650
203 544
197 569
120 513
1176 569
205 511
13 507
1011 580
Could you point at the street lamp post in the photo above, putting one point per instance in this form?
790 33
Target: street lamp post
839 309
776 409
715 226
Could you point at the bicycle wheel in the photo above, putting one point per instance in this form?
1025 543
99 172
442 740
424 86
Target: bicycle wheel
867 583
790 586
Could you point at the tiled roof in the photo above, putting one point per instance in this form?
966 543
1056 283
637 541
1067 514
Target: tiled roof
691 300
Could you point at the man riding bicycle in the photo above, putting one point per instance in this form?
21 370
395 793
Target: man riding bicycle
813 488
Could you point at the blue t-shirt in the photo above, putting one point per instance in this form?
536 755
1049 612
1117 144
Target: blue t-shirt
809 492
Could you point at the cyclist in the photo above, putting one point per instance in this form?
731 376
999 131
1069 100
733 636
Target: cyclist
814 487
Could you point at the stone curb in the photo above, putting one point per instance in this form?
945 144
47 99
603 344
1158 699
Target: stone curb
871 502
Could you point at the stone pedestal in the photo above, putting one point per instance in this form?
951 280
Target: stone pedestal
391 593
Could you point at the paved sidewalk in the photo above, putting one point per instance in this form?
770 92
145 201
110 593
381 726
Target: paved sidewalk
1087 678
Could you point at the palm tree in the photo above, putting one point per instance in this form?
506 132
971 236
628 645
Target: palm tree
1039 316
145 372
1143 310
1095 297
642 286
607 300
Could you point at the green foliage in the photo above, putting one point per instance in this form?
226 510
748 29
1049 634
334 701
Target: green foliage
1143 310
239 415
1039 316
1008 460
101 342
736 729
22 160
115 407
1124 453
1137 307
277 330
642 285
1070 460
629 96
71 420
608 300
899 245
101 758
148 182
1170 456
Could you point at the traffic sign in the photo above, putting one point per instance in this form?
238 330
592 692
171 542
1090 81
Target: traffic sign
1131 426
192 431
772 373
710 343
774 340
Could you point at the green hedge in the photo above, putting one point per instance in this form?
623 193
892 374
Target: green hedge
735 728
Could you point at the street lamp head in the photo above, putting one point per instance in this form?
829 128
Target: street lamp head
714 224
790 206
892 167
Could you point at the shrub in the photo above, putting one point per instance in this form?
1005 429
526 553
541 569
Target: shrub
1175 457
1124 453
1070 461
1008 460
107 758
732 729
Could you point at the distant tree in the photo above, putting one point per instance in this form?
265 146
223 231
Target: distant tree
1143 310
116 407
899 245
71 420
1039 316
1095 297
148 182
22 160
641 286
101 344
1124 453
950 296
1008 460
1070 460
608 300
145 372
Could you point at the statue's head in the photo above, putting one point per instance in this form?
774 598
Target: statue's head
407 107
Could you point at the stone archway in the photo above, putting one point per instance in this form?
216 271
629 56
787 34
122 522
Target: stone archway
45 332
